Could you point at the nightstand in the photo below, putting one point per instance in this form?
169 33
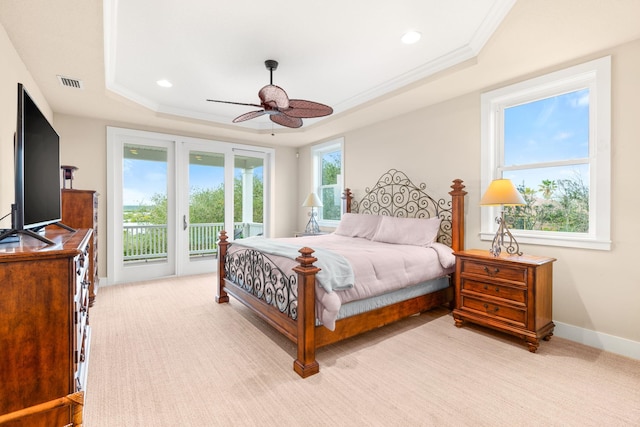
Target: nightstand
509 293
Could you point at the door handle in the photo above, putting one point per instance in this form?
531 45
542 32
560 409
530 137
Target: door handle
184 222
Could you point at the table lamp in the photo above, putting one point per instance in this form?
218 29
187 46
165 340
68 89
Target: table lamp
312 201
502 192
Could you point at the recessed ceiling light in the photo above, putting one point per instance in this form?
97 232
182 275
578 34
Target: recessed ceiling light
164 83
411 37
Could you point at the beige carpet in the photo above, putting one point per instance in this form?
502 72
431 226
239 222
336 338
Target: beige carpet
163 353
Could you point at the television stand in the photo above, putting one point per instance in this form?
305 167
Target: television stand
66 227
16 233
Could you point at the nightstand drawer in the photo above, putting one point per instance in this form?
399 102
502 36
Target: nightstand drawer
498 311
495 271
515 294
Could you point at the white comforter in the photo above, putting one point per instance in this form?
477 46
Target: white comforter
378 268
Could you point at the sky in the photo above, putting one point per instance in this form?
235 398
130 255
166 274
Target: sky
548 130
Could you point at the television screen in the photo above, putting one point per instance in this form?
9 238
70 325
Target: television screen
37 167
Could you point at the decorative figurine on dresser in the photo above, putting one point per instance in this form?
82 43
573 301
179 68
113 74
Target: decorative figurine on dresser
505 290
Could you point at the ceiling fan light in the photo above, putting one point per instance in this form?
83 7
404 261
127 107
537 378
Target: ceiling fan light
411 37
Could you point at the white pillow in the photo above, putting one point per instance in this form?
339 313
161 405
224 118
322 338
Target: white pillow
358 225
407 231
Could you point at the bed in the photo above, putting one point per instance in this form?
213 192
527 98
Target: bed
317 297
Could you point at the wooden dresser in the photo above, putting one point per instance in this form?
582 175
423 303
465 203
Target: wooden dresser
44 326
80 210
508 293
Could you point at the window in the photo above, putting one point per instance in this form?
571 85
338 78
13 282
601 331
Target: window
327 180
551 137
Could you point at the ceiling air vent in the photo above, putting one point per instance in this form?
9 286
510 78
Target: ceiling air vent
69 82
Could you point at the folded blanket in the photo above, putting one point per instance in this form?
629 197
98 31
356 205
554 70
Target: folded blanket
335 271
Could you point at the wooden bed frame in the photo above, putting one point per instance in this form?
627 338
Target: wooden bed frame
393 195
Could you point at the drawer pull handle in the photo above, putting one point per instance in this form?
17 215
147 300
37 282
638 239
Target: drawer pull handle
486 307
493 272
486 288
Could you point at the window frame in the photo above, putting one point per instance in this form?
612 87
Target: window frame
317 153
594 75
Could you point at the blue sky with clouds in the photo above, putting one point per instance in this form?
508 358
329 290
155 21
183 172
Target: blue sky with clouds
548 130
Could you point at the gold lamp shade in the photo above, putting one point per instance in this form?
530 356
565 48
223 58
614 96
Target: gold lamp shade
502 192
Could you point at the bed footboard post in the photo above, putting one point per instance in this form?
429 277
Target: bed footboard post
305 364
222 296
457 215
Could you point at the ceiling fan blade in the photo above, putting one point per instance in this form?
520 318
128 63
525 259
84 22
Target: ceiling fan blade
285 120
307 109
248 116
235 103
273 96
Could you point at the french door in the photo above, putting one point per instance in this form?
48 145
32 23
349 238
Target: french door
169 197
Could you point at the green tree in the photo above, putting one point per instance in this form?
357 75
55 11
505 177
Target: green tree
574 201
207 205
563 205
522 217
331 167
548 187
258 199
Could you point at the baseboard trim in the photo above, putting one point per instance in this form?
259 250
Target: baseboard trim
602 341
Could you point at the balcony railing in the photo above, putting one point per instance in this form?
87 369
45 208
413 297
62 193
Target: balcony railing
149 242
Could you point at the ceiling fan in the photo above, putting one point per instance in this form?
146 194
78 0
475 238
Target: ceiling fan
281 110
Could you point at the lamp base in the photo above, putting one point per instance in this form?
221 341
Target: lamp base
511 246
312 226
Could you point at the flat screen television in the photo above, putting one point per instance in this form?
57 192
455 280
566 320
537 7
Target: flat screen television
37 171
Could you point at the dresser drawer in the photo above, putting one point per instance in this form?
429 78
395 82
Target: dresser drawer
82 366
495 271
495 310
512 293
82 265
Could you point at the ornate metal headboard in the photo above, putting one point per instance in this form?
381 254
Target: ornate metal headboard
396 195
